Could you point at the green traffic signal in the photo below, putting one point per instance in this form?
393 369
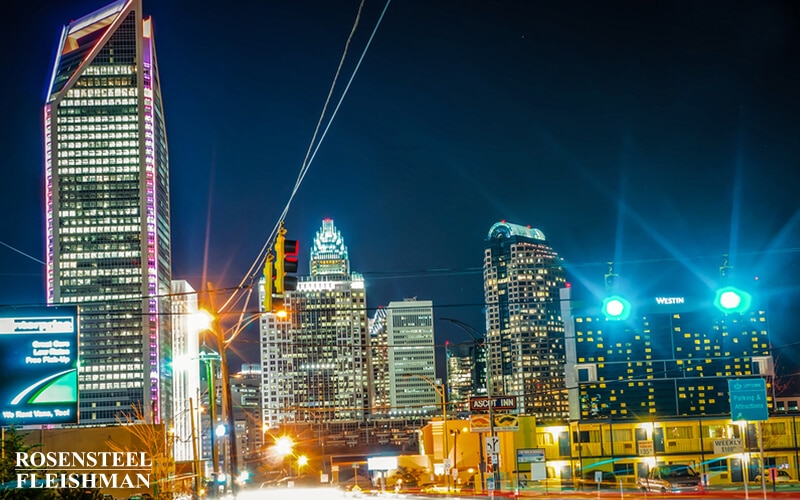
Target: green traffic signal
732 300
616 307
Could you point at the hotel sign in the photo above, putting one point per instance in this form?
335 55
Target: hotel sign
39 359
500 403
665 301
727 446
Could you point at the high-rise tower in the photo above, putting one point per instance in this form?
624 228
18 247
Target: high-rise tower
522 277
316 362
412 363
108 216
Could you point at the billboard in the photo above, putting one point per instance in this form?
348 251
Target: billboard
39 360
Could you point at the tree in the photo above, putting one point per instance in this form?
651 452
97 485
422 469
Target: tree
158 448
13 443
409 476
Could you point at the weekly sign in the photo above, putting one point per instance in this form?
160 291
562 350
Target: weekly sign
39 359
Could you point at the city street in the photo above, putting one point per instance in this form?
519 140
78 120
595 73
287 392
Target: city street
325 493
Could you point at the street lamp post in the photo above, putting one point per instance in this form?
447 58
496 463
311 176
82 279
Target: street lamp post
445 450
480 339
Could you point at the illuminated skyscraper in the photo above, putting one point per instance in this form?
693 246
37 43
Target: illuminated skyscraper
409 326
522 277
185 368
466 374
107 205
316 363
379 348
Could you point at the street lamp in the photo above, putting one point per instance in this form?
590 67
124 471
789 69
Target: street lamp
208 321
445 449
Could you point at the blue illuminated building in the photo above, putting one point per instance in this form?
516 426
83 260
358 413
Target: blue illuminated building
662 356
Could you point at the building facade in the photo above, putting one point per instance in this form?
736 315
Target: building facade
316 362
108 210
246 394
671 356
379 348
466 375
185 371
411 358
522 276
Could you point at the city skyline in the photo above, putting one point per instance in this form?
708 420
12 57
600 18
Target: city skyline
657 139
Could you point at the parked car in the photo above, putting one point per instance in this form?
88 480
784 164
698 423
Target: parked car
781 476
589 480
673 478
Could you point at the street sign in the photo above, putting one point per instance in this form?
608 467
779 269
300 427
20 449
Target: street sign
492 445
447 463
748 399
530 455
490 483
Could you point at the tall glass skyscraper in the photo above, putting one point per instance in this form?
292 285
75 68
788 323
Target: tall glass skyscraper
316 362
108 215
522 278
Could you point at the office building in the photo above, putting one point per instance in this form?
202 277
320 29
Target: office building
379 349
466 375
246 394
185 371
316 362
108 210
522 276
412 364
663 356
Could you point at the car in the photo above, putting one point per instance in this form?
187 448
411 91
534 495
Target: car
589 480
780 475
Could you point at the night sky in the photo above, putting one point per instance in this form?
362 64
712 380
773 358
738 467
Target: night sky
656 134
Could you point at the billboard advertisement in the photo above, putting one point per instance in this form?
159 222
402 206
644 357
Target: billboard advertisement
39 360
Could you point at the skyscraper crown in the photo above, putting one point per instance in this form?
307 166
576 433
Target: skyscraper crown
329 253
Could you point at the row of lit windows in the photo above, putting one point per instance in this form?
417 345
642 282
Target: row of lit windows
91 281
109 159
114 119
117 101
98 229
107 91
93 212
100 131
104 82
92 222
110 69
130 271
92 141
133 384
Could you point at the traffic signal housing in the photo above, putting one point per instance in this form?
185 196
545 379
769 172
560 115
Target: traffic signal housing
285 263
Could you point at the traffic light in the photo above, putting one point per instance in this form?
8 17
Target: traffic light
285 262
732 300
616 307
268 270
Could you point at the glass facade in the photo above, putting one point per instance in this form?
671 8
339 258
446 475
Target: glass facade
522 277
316 362
411 357
107 196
